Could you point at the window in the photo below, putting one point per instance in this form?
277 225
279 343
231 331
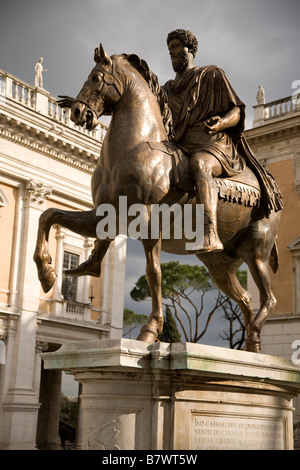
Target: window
69 283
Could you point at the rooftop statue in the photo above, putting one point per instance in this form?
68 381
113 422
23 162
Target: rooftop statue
180 144
38 75
260 97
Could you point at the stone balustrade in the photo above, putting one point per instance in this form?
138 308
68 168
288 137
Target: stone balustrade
77 313
72 311
280 107
275 109
75 309
82 312
29 96
18 90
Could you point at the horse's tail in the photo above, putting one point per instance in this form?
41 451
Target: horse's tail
273 260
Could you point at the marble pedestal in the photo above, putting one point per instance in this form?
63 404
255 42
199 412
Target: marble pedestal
182 396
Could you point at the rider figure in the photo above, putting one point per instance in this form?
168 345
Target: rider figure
208 121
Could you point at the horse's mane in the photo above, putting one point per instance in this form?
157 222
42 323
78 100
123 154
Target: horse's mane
151 79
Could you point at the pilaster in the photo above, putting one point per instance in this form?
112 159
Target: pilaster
113 285
41 100
48 420
35 197
60 236
20 404
297 171
258 115
294 247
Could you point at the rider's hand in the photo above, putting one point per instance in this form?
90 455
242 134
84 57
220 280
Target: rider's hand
212 125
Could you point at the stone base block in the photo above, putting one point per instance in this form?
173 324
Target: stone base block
182 396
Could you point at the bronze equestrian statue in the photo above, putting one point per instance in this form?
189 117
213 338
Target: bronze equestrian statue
182 143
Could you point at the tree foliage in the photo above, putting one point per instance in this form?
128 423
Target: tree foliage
68 409
183 289
235 334
132 320
170 333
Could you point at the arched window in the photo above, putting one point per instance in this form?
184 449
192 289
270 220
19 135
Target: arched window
294 247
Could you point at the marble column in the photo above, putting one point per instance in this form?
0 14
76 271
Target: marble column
48 422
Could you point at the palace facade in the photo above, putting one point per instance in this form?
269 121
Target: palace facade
275 140
45 161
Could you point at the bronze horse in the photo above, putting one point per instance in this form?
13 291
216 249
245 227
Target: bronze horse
135 163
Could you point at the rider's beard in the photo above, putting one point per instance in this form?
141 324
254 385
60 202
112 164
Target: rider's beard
180 62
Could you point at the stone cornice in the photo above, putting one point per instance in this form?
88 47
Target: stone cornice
32 118
277 130
48 143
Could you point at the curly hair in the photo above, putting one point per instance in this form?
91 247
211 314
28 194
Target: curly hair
186 37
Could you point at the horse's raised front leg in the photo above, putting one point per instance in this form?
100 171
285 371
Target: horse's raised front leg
92 266
82 222
151 330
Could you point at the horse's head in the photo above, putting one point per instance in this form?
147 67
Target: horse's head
112 78
98 95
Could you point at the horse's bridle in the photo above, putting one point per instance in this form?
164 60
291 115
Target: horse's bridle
109 78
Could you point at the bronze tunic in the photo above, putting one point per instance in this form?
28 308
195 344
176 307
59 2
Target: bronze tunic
198 95
204 92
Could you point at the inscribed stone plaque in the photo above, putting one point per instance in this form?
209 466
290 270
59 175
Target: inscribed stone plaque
231 433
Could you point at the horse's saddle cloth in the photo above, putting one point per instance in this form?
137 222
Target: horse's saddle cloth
243 188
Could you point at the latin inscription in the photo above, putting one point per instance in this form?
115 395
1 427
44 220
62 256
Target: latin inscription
228 433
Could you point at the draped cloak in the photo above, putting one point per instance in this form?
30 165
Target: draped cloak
204 92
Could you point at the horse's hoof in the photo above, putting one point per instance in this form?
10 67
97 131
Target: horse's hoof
150 331
47 280
253 346
147 336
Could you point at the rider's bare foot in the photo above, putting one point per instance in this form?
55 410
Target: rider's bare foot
47 278
208 248
211 243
